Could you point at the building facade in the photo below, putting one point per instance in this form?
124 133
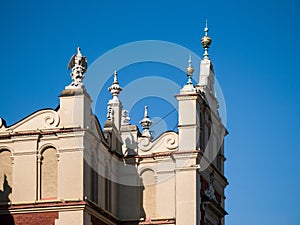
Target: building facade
61 167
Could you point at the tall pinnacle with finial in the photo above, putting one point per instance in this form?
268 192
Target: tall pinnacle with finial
189 70
206 41
146 123
189 87
115 88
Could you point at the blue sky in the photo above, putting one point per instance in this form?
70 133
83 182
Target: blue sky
255 52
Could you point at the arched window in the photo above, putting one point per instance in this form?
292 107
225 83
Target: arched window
149 193
5 175
49 174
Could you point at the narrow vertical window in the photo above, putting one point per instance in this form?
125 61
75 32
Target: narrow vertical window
49 174
5 176
107 189
94 180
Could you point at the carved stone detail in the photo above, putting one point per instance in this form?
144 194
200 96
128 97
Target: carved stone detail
145 144
78 64
42 119
51 119
167 140
171 142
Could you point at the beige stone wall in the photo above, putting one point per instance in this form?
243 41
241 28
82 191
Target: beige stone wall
149 193
70 217
5 175
165 195
25 178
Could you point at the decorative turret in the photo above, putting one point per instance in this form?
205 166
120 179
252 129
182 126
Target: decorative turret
188 119
207 76
146 123
115 105
115 88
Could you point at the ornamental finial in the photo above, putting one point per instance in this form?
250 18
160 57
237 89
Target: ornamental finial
146 112
146 123
206 41
189 70
78 63
115 88
115 77
206 28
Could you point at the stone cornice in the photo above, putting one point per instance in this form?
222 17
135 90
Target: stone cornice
74 92
43 206
158 222
164 154
215 208
97 211
41 132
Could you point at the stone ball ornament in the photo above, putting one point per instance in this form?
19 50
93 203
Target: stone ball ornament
206 41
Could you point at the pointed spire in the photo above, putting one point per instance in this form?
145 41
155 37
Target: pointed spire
206 28
189 87
115 88
190 60
146 112
115 77
146 123
189 70
206 41
79 52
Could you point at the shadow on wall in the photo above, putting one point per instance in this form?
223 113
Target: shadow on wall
5 217
131 145
131 195
113 184
135 193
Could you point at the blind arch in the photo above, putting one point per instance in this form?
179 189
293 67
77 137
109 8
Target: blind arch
48 173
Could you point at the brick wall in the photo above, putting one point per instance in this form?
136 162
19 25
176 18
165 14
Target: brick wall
45 218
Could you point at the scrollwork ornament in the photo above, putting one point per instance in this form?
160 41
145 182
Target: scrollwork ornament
145 144
51 120
171 142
